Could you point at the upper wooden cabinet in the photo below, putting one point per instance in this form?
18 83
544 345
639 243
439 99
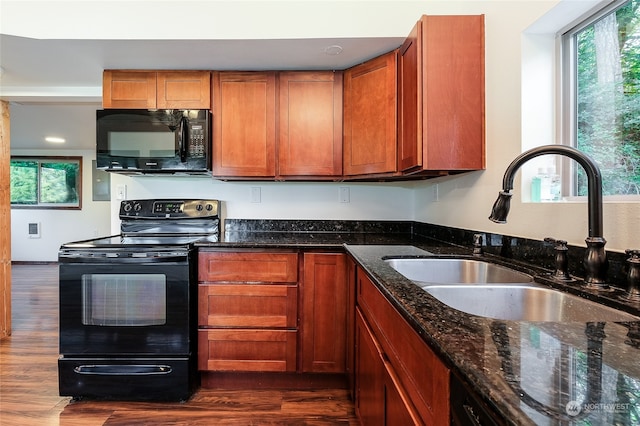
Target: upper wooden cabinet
244 124
296 114
183 90
441 96
415 112
370 117
129 89
310 124
156 89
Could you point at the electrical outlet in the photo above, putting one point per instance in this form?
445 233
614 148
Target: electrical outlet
255 194
435 195
345 197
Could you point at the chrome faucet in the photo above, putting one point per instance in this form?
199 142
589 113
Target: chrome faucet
595 260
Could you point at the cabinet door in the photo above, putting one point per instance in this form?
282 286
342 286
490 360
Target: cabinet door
398 409
441 85
380 399
351 319
184 89
409 101
453 92
324 313
369 376
310 124
370 117
422 375
244 129
128 89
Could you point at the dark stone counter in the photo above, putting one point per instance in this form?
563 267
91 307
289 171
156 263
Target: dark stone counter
529 372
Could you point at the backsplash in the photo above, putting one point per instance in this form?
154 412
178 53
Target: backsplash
317 226
536 252
526 250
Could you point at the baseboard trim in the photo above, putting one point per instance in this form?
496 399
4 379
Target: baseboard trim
272 381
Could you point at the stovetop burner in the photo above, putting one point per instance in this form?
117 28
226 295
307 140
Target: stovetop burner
156 224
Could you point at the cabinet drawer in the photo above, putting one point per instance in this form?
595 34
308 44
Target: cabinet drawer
248 267
247 350
247 305
418 369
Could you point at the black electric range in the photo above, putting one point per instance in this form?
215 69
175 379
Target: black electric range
128 303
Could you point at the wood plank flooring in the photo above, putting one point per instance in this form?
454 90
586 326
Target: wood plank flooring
29 380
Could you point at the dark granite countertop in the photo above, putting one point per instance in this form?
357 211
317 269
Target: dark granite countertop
529 372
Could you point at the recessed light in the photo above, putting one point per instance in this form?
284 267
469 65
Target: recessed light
333 50
54 139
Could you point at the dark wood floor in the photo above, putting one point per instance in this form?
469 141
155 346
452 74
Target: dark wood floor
29 380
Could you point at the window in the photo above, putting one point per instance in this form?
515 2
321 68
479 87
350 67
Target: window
46 182
602 88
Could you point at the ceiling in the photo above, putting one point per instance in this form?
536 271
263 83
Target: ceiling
54 86
51 69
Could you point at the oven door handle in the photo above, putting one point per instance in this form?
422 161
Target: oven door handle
123 370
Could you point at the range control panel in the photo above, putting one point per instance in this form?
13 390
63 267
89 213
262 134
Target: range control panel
169 209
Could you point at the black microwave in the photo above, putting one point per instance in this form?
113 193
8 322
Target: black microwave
140 141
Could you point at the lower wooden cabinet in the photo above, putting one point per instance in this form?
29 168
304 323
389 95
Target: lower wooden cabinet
413 387
351 326
260 350
247 311
324 313
370 404
272 311
380 398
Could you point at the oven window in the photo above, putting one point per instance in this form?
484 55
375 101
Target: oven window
124 299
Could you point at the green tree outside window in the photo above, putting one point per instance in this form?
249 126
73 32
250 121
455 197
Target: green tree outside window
607 98
46 182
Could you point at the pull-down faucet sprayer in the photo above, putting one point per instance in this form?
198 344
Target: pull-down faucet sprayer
595 260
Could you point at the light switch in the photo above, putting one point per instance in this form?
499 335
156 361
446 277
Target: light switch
121 192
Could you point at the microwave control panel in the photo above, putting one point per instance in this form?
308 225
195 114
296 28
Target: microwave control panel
196 143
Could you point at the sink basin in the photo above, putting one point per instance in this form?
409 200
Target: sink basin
456 271
524 303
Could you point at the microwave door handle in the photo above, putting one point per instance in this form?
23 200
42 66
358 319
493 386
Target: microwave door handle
184 138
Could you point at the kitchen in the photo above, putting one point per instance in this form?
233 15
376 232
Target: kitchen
511 127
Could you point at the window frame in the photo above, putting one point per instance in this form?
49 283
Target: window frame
569 99
51 159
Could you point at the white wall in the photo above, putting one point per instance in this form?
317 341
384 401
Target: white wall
516 60
279 200
522 112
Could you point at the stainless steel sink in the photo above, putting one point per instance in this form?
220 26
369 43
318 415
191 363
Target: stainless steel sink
489 290
456 271
520 302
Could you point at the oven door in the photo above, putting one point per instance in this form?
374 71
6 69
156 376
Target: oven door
127 307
